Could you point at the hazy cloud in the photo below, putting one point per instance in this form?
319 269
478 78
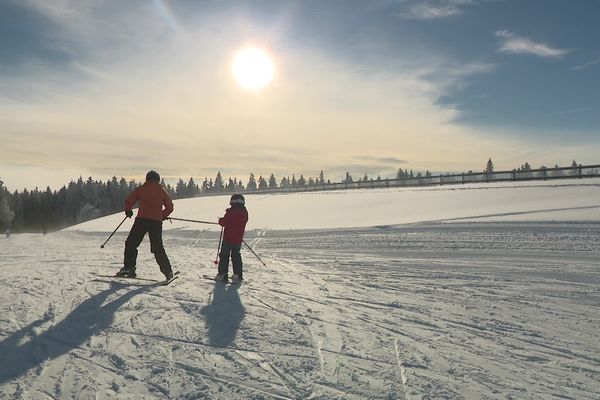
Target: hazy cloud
586 65
382 160
565 112
427 10
514 44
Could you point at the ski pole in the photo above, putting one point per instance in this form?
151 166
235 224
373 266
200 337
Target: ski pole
219 248
193 220
111 235
253 252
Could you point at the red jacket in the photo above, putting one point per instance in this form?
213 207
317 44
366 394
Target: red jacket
152 198
234 221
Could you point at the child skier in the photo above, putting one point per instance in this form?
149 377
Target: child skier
152 197
234 221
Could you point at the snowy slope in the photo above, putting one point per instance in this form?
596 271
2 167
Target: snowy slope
535 201
433 307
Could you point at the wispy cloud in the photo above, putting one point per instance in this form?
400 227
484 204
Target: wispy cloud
429 10
515 44
384 160
565 112
443 76
586 65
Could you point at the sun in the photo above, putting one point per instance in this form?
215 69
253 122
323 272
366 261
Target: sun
252 68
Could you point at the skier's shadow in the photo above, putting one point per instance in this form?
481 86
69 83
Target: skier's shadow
224 314
24 350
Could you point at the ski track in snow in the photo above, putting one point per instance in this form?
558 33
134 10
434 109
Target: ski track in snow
426 311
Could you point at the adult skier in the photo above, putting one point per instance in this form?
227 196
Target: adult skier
234 223
151 197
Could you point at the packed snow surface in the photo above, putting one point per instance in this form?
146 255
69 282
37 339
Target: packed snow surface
470 292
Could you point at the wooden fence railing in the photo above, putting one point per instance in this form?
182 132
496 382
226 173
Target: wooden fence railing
579 172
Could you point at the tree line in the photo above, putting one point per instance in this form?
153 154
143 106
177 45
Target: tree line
82 200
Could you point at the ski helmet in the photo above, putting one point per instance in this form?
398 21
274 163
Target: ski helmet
237 199
153 176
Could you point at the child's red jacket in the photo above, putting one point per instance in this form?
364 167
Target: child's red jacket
234 221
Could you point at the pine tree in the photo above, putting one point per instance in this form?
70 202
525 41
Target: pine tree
262 183
251 186
489 168
205 185
348 178
573 168
6 214
272 182
301 181
192 188
218 185
231 185
321 179
181 189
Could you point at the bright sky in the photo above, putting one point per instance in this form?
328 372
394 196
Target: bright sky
118 88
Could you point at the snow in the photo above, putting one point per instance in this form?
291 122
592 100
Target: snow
531 201
479 291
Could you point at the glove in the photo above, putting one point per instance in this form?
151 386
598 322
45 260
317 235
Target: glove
129 213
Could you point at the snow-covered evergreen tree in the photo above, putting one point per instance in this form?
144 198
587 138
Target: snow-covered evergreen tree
301 181
489 168
181 189
251 186
348 178
272 182
219 186
262 183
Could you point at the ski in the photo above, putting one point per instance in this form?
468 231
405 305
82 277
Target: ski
137 278
168 281
211 278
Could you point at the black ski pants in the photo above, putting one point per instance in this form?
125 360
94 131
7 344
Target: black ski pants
233 251
140 227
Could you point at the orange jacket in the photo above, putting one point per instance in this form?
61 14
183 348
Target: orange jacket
152 197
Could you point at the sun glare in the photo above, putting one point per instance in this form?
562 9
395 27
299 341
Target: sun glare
252 68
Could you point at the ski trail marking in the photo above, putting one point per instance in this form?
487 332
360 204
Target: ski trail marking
259 237
321 359
201 372
400 367
318 343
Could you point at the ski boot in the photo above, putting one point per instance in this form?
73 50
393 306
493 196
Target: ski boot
127 272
